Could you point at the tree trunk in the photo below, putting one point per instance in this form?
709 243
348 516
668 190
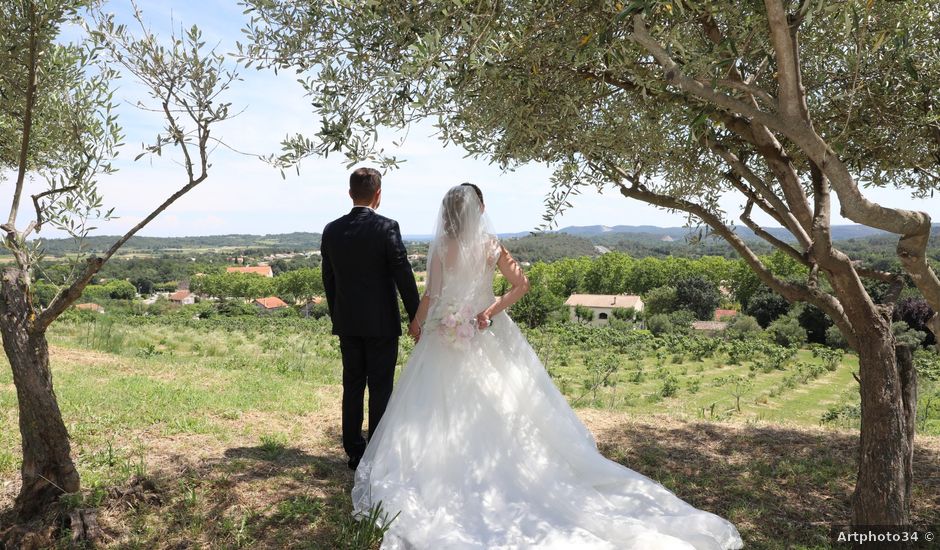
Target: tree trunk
48 470
888 396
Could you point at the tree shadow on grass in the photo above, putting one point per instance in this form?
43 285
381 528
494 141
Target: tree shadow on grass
781 487
265 496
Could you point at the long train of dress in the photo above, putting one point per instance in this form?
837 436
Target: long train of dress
479 450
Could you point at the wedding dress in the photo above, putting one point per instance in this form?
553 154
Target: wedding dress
477 449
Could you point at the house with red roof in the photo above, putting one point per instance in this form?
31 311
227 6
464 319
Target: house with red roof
724 314
263 270
271 303
182 297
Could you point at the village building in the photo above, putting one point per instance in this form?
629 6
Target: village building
603 305
182 297
263 270
90 306
271 303
724 314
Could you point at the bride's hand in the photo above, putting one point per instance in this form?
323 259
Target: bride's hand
483 320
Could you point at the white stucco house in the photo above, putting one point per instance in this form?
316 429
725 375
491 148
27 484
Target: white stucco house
603 305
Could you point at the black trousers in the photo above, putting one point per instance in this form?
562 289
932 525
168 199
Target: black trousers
367 362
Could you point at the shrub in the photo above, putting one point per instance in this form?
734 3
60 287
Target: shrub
698 295
120 290
831 358
584 314
834 338
741 327
670 386
815 322
766 306
786 331
318 311
94 293
43 292
915 312
536 307
624 313
234 307
660 300
907 336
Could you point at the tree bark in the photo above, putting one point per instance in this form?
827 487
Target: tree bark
48 470
888 397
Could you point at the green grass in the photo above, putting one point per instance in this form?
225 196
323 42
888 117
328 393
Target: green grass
236 422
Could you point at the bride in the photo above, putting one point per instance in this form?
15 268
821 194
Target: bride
478 449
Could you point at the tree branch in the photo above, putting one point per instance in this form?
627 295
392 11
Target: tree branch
791 291
38 223
31 88
94 264
774 241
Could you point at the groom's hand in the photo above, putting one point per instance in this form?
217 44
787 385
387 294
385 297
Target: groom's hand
414 330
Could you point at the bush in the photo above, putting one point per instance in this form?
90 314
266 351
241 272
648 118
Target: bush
94 293
624 313
834 338
907 336
660 300
815 322
742 327
766 306
535 307
43 292
120 290
675 323
698 295
786 331
143 285
583 314
658 324
234 307
318 311
670 386
915 312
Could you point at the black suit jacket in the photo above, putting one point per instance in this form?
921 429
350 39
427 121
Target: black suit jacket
364 261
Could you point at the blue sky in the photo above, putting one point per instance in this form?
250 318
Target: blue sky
245 195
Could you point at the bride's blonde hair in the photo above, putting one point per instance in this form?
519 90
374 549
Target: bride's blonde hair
457 200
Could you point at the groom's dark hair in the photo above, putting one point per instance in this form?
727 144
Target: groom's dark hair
363 184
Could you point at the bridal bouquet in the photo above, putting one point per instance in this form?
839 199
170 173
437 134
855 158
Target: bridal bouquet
458 325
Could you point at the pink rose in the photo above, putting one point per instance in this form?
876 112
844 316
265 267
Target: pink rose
465 331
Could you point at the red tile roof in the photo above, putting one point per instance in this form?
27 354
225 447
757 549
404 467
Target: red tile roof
722 313
271 302
90 306
263 270
179 295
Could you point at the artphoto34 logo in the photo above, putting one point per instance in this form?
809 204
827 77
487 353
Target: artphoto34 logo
884 536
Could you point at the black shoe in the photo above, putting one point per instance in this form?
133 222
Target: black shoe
354 462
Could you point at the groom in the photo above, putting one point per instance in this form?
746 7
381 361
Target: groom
364 261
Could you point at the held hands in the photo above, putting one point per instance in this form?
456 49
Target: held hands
483 320
414 330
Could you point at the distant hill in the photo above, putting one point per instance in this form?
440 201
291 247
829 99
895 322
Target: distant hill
548 247
574 241
286 241
839 232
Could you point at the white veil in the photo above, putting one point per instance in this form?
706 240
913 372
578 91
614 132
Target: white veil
464 250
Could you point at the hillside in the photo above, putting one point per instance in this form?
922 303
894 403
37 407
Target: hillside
638 241
548 247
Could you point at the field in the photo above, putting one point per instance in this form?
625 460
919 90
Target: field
224 433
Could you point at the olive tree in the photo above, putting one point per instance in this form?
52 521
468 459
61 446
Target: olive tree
59 128
788 105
